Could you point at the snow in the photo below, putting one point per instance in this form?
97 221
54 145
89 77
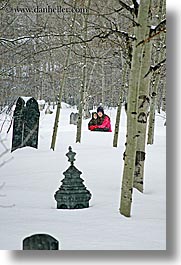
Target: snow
41 101
33 176
25 99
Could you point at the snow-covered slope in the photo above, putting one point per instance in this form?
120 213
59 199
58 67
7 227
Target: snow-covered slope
33 176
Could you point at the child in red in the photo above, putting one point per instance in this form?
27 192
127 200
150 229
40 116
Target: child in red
92 125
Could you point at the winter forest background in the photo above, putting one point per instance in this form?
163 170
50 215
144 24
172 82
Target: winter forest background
34 48
109 53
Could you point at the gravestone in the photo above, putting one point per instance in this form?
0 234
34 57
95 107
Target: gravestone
74 118
41 104
48 110
72 194
26 124
31 124
87 114
18 123
40 242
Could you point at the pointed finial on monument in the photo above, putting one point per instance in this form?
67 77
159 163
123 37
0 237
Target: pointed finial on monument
71 156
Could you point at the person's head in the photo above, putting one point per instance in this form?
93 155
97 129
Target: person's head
94 115
100 111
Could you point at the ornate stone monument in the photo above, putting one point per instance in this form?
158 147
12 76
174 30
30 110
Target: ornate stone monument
40 242
72 194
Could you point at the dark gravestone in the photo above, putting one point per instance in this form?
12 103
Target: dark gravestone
74 118
26 124
40 242
72 194
18 124
31 123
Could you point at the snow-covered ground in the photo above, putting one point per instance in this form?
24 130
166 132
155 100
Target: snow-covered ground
33 176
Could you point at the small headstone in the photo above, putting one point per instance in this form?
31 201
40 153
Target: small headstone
74 118
48 110
40 242
41 104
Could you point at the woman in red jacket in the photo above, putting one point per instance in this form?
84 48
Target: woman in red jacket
103 122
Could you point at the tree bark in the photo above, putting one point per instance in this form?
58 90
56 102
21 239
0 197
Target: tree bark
118 114
154 93
83 84
55 129
143 111
164 98
154 90
130 152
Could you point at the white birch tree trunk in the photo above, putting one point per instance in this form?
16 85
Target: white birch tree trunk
154 90
164 98
143 111
130 152
83 84
154 93
56 122
151 127
103 84
118 114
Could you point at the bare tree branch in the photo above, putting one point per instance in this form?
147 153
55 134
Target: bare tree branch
155 67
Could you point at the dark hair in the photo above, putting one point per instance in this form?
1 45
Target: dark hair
100 109
93 114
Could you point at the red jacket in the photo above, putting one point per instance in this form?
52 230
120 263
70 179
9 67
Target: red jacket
105 124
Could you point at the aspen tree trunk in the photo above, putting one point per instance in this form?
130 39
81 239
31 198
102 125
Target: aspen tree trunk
143 109
83 84
164 98
151 127
86 105
159 100
118 114
154 92
160 57
130 152
79 122
55 128
103 84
